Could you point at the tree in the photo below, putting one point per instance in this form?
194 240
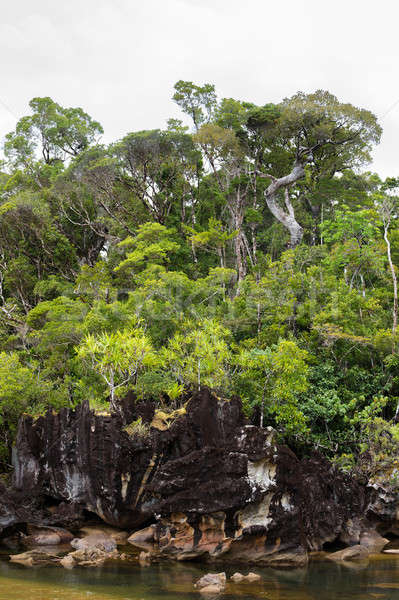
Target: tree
277 375
195 100
52 132
355 239
213 238
387 206
222 151
223 154
152 245
32 247
161 169
118 358
200 356
55 327
20 388
317 127
94 282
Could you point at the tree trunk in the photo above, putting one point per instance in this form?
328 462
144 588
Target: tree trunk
237 213
111 384
254 245
395 287
240 261
314 210
220 255
262 408
287 218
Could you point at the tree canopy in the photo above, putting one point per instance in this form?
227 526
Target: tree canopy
244 247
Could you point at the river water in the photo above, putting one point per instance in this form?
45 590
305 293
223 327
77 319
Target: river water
322 580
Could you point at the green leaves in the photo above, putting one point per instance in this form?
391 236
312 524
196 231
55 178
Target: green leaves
199 102
21 389
199 356
356 223
17 384
123 352
274 378
213 238
50 134
159 168
152 245
157 264
320 121
118 357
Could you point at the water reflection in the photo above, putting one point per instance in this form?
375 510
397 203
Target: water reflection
322 580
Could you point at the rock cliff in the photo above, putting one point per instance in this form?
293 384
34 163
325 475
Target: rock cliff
204 483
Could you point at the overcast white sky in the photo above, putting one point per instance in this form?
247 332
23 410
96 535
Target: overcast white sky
119 59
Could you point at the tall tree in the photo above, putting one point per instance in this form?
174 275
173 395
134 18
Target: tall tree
117 358
51 133
161 169
317 130
387 206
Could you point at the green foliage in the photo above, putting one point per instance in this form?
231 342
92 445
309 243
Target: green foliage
199 356
151 246
21 390
273 378
53 131
94 282
157 263
118 358
55 327
214 238
320 117
197 101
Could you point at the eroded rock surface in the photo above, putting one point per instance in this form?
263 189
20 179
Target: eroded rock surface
204 484
250 578
47 536
218 579
95 541
356 552
33 558
10 513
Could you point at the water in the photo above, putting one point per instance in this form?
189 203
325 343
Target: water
322 580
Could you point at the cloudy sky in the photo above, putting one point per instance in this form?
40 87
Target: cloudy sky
119 59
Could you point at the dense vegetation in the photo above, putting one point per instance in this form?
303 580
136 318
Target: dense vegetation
250 252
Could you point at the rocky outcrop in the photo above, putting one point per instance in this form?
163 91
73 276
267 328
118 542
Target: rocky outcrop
88 460
36 558
16 508
47 536
9 511
94 541
211 583
85 557
250 578
205 483
92 550
356 552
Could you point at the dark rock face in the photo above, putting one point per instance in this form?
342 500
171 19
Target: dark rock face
8 509
15 508
90 461
206 485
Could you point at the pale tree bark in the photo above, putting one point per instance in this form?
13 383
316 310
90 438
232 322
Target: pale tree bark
238 217
394 282
386 211
236 203
286 216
